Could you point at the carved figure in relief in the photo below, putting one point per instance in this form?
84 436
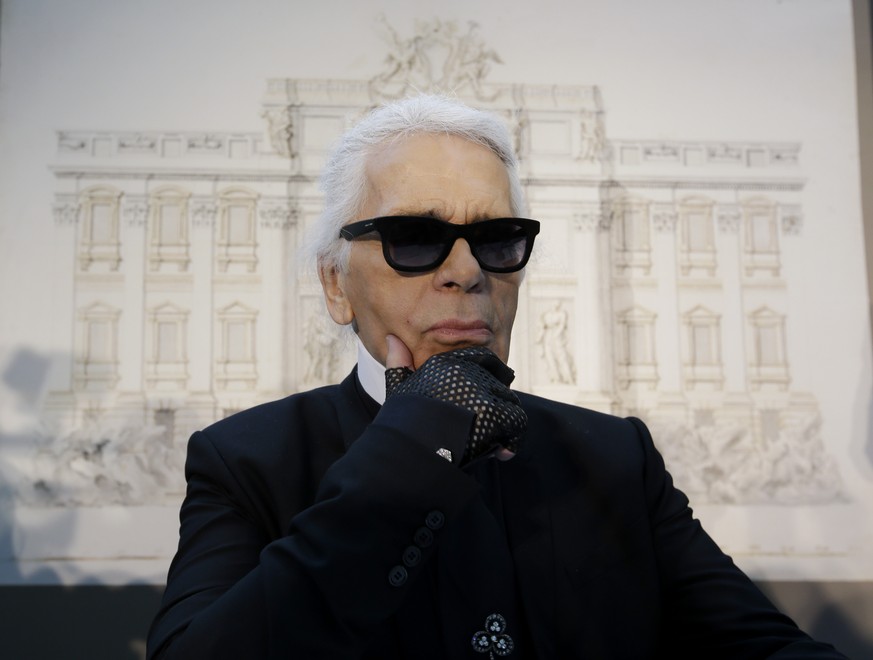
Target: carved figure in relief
552 339
727 464
104 463
439 56
280 130
591 138
403 58
320 346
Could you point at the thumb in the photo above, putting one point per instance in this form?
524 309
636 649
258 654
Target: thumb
398 354
504 454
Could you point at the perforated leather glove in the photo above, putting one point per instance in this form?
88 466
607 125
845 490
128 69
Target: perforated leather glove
474 379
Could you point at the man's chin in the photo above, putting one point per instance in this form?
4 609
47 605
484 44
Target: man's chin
419 358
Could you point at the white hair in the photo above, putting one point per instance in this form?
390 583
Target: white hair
344 177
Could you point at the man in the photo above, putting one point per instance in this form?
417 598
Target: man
442 516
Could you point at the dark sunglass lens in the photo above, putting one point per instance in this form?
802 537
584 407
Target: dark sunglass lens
502 245
415 243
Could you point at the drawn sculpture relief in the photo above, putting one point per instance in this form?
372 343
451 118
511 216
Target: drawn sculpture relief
552 339
667 283
440 56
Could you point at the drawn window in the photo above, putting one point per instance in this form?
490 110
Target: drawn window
170 225
237 236
762 230
99 242
97 363
761 238
169 244
240 224
237 342
237 366
769 365
167 363
638 344
102 223
699 232
634 229
636 347
632 236
168 341
768 345
100 344
696 237
702 350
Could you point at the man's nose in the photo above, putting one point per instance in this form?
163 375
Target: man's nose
460 269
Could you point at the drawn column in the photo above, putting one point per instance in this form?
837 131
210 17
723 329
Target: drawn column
593 342
667 329
736 402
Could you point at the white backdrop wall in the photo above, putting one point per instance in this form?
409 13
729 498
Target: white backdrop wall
759 76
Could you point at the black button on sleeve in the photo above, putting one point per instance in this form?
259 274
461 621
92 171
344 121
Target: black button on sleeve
397 576
435 520
423 537
411 556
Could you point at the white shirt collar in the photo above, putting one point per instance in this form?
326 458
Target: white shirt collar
371 374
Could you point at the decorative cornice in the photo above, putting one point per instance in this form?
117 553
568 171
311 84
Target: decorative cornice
656 183
160 144
278 217
205 143
791 216
728 217
177 174
664 217
65 210
592 218
751 155
139 143
203 212
135 210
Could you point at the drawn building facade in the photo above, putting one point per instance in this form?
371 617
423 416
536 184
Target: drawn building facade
659 287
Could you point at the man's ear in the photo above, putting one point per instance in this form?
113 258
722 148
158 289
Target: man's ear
333 284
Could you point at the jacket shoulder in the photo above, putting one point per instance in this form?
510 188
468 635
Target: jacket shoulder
568 433
299 429
581 418
270 415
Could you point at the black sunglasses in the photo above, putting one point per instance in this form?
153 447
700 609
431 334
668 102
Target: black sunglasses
413 244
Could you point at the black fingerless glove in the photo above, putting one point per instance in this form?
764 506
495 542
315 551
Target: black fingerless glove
474 379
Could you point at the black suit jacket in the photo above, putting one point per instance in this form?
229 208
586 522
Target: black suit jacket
300 512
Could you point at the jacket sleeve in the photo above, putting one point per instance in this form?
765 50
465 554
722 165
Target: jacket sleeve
711 608
323 588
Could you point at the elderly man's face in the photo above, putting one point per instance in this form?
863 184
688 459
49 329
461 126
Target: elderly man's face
455 305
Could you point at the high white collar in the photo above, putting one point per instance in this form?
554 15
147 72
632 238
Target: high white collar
371 374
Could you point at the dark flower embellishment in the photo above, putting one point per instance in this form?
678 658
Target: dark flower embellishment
493 640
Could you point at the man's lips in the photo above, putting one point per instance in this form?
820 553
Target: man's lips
457 329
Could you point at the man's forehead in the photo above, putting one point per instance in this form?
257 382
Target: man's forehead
442 212
439 176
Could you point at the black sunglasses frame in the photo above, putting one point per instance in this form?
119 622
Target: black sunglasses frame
450 232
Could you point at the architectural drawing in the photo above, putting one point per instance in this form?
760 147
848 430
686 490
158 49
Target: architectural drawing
658 289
